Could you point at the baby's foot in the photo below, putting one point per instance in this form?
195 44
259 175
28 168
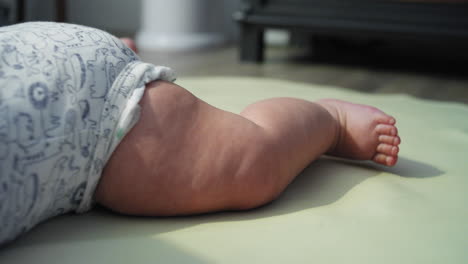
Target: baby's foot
364 132
130 43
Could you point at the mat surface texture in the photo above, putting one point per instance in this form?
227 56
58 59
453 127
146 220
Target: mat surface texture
336 211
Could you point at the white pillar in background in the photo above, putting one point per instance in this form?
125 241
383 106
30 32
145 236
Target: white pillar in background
177 25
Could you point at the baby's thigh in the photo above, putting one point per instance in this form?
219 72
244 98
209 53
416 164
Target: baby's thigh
185 156
144 172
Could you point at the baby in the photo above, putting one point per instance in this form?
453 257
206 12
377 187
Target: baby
83 120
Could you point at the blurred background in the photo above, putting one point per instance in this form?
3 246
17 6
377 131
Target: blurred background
261 38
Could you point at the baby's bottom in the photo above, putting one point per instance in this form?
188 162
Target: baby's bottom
185 156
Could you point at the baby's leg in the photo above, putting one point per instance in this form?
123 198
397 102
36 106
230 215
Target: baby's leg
185 156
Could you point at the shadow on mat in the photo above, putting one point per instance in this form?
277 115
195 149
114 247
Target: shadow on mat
412 169
322 183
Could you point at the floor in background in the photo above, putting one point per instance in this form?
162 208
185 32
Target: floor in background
425 72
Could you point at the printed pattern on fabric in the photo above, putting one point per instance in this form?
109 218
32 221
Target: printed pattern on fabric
58 114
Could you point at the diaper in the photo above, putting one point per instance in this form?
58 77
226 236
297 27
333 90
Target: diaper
68 95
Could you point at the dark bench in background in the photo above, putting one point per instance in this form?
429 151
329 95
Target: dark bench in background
7 16
444 20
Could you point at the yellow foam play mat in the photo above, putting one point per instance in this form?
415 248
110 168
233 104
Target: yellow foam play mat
336 211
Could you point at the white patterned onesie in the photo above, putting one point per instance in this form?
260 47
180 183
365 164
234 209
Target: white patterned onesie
68 94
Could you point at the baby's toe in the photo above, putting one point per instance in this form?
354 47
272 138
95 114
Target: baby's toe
391 140
387 149
385 129
386 119
385 159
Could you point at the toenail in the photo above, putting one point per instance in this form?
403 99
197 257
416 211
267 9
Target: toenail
392 121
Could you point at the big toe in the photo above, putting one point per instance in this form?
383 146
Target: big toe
384 118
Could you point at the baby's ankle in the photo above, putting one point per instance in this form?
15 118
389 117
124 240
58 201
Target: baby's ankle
334 112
